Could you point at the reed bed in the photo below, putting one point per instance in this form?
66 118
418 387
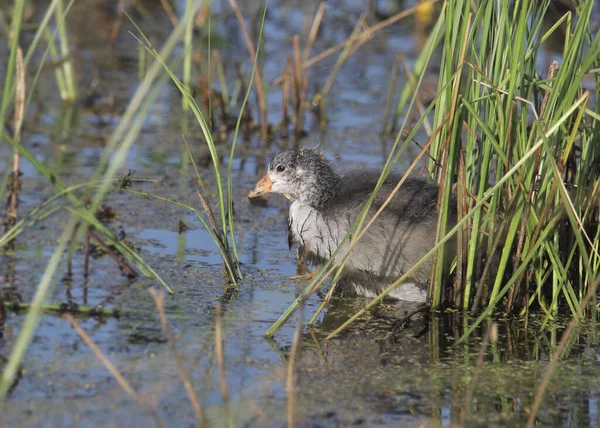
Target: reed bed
540 227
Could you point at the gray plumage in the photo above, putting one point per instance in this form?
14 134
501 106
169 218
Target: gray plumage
325 204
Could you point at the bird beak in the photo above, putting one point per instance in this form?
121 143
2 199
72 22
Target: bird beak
263 186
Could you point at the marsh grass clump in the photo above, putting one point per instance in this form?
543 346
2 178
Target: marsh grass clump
525 139
519 143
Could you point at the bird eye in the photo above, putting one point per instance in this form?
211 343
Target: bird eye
280 168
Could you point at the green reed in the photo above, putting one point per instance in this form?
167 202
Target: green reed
67 82
187 59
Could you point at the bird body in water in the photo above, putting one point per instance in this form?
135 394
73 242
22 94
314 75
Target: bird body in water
325 204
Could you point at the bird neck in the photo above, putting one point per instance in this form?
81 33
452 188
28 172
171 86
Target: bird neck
320 189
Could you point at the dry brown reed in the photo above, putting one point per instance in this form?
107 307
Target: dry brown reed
258 82
141 401
159 300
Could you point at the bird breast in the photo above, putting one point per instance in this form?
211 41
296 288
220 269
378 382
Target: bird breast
311 230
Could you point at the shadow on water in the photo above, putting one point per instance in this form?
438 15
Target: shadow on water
367 376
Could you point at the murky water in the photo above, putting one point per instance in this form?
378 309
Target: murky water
366 376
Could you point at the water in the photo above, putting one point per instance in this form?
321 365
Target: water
366 376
